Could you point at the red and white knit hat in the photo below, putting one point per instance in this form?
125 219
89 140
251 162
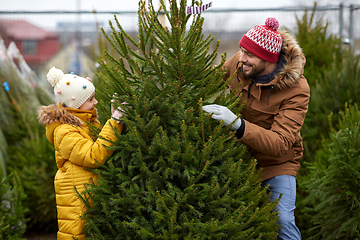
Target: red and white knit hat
264 41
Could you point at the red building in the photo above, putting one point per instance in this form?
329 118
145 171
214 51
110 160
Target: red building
37 45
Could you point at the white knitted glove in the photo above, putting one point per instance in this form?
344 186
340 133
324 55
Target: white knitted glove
222 113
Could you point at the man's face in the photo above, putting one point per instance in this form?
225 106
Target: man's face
251 66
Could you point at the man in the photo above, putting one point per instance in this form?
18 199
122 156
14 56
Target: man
269 80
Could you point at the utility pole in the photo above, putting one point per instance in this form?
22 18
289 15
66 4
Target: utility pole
341 19
162 15
75 58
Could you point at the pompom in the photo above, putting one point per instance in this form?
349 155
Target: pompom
272 23
54 75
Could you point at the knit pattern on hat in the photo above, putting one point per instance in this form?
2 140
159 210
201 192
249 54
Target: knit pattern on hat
70 89
264 41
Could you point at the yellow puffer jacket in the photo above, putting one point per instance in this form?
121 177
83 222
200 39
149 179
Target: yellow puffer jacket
68 131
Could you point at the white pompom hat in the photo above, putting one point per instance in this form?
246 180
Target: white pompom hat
70 89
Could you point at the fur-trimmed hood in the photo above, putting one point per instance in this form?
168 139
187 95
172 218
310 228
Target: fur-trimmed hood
54 114
295 60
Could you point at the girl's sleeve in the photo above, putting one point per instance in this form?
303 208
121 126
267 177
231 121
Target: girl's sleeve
80 149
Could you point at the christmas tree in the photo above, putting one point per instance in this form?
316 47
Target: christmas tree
175 173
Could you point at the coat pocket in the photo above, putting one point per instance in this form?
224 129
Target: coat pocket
262 114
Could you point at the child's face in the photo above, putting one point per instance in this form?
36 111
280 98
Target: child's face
89 104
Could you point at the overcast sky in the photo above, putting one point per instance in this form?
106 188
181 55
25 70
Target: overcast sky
132 5
130 21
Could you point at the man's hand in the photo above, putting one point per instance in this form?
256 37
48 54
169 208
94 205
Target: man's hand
222 113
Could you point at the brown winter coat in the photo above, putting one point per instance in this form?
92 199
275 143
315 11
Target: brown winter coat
68 131
274 112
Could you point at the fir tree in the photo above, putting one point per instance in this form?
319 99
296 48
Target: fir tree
175 173
12 220
333 188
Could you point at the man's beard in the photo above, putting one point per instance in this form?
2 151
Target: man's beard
254 72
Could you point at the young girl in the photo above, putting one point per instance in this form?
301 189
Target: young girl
75 149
